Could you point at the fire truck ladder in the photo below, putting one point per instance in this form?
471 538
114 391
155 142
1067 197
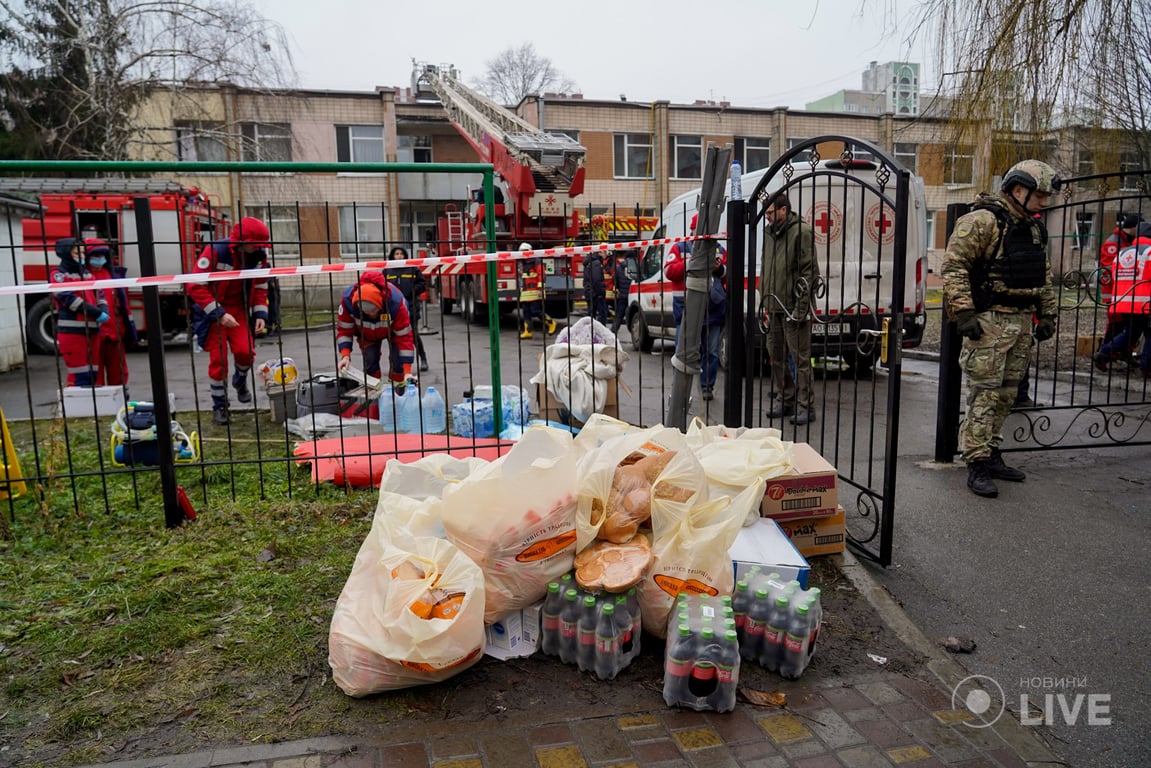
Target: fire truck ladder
455 229
552 158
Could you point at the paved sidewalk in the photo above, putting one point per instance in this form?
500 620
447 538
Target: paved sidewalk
868 720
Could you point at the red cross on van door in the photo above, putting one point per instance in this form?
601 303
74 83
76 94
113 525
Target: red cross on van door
826 221
880 224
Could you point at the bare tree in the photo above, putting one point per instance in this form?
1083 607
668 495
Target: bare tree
1023 68
80 67
517 72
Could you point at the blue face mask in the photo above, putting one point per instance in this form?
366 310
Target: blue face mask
96 262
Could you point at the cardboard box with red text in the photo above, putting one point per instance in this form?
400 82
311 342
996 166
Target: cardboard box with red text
817 535
810 489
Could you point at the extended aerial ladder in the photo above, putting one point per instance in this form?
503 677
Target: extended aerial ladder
540 174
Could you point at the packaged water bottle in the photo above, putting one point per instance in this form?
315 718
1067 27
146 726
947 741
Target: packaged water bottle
408 411
736 181
586 627
678 660
794 659
435 412
607 648
553 603
387 405
771 652
702 682
569 628
754 625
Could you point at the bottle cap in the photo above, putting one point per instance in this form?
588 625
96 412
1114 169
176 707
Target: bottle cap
608 608
684 630
554 587
589 600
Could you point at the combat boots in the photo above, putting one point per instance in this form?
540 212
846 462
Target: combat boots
220 415
979 479
526 333
1000 471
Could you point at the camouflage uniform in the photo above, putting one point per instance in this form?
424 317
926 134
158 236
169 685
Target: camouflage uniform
996 362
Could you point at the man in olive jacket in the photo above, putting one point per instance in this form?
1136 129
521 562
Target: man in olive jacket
788 274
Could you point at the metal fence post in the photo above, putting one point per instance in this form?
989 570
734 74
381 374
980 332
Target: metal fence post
736 338
950 377
173 515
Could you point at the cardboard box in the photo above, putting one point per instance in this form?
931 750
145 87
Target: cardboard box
78 402
1085 346
553 409
809 490
814 536
763 543
516 634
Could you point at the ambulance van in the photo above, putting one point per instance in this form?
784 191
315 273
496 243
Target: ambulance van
854 243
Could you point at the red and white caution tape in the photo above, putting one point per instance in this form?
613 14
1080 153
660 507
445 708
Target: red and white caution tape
428 265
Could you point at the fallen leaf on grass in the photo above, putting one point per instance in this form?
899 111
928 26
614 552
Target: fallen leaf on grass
763 698
268 553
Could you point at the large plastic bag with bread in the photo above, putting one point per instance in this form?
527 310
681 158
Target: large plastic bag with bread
413 492
620 472
515 518
690 543
411 613
733 457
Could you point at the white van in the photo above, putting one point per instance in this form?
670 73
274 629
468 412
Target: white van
855 292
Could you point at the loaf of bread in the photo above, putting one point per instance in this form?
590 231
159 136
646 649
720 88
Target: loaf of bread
613 567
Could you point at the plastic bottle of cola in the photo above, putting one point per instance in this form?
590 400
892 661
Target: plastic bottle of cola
553 604
607 649
569 628
754 625
678 660
586 631
703 682
794 659
777 623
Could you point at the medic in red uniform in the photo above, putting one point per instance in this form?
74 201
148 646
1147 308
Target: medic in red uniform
79 315
373 311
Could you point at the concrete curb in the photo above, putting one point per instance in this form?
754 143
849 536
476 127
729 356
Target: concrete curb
1026 742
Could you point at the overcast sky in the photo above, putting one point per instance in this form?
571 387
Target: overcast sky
761 53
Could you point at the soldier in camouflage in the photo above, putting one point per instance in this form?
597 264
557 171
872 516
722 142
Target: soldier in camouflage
996 276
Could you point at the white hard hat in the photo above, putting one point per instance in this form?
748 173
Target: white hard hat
525 246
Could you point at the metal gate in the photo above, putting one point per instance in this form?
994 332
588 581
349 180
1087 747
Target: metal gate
1088 386
857 208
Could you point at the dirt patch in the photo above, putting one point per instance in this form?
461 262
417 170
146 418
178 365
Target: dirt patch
532 690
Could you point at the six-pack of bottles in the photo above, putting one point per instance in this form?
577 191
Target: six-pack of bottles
777 622
701 659
598 631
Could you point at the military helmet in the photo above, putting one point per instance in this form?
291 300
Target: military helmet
1034 175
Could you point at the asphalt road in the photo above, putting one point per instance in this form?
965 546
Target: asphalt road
1050 579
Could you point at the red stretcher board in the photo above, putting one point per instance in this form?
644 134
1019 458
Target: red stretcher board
359 461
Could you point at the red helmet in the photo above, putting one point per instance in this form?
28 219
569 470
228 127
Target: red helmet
251 231
94 246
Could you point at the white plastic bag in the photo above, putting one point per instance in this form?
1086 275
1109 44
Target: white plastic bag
690 546
411 613
412 493
515 518
734 458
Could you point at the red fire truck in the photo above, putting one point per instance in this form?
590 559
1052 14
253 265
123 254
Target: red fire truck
183 220
540 174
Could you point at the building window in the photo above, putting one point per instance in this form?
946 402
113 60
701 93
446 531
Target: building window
754 152
1085 166
856 152
361 231
414 149
958 165
203 142
416 225
360 143
686 157
802 157
266 142
1129 166
907 154
929 234
284 223
632 156
1084 230
571 133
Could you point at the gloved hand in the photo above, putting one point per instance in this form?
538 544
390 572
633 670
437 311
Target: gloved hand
967 323
103 318
1044 329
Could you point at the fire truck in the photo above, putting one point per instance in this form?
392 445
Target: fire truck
540 174
183 221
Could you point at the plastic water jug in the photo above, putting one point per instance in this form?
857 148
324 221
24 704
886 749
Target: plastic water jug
408 411
389 406
435 412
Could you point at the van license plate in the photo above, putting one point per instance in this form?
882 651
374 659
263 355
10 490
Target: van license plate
827 329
